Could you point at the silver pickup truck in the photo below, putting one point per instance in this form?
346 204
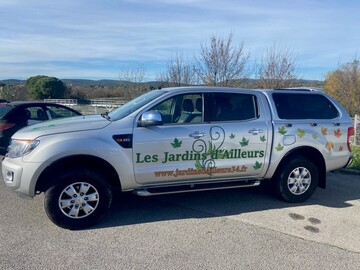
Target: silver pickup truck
177 140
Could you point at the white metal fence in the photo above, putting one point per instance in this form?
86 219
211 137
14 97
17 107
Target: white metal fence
96 106
67 102
108 104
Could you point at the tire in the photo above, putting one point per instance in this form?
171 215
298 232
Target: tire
79 199
296 180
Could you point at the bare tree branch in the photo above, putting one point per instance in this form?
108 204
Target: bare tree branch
220 62
132 79
277 68
179 72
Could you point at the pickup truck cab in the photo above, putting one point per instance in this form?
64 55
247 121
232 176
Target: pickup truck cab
177 140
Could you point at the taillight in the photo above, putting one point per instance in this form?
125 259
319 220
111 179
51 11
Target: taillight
5 126
350 134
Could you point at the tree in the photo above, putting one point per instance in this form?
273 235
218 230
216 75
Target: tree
221 63
42 87
344 85
277 68
132 79
179 72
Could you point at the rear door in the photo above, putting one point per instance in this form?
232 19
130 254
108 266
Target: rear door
240 135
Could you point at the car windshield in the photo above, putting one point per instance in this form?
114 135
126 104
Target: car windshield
134 105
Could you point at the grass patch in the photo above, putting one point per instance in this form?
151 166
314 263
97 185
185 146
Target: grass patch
356 157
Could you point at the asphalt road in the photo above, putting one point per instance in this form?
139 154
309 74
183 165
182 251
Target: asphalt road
228 229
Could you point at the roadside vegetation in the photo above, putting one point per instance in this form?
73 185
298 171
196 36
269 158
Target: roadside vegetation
356 157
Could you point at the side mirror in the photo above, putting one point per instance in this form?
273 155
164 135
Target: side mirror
150 118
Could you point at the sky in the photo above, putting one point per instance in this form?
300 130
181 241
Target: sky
97 39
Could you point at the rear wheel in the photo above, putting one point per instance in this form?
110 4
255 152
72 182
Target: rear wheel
79 199
296 180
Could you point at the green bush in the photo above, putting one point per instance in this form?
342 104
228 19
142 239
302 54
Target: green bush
356 157
42 87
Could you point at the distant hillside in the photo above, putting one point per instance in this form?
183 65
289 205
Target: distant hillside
83 82
74 82
250 83
12 82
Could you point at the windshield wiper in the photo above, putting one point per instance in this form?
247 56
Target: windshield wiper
106 115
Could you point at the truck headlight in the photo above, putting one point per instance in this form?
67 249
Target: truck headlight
19 148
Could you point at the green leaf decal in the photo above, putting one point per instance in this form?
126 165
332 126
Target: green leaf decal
176 143
315 136
263 138
211 149
220 154
282 130
199 166
232 136
257 165
279 147
244 142
300 133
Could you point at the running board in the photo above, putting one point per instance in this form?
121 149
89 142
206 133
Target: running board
151 191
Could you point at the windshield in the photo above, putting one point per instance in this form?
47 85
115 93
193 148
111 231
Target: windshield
134 105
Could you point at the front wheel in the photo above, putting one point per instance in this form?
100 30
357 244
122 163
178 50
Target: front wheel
78 200
296 180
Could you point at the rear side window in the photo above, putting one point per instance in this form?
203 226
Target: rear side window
232 107
4 109
36 113
59 112
304 106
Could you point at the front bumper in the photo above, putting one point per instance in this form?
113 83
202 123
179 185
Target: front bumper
20 176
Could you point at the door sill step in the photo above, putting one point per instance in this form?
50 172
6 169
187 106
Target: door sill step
159 190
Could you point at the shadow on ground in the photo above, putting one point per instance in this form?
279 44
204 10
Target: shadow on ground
128 209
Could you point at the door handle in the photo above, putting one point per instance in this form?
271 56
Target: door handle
255 131
197 134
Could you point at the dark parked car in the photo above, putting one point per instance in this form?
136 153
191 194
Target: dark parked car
16 115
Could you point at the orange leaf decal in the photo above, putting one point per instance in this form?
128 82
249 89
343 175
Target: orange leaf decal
341 148
337 133
324 131
329 146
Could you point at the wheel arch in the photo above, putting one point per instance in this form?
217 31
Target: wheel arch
46 179
311 154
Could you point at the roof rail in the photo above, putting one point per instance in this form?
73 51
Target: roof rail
312 89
